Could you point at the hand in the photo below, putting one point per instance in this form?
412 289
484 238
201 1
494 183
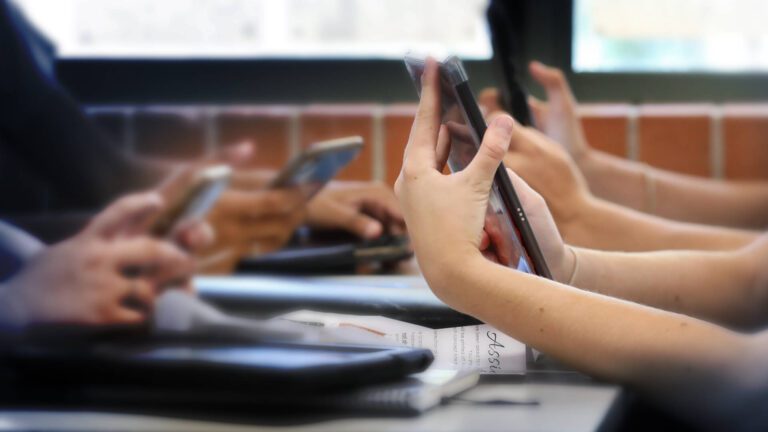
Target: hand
248 218
248 222
445 214
558 117
86 279
548 169
365 209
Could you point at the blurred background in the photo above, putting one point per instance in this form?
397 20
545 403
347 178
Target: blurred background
675 83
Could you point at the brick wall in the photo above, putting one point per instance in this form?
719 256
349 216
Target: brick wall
720 141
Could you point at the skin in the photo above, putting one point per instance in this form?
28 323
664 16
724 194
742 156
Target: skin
251 219
709 375
84 280
679 197
588 221
366 209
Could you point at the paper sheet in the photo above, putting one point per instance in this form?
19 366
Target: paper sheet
479 347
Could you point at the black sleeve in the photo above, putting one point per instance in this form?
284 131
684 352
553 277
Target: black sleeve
46 129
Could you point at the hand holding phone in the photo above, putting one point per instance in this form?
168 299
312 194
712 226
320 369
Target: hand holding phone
190 195
506 223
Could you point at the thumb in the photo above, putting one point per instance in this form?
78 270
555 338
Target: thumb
494 147
125 214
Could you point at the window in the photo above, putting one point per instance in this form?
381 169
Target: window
383 29
670 36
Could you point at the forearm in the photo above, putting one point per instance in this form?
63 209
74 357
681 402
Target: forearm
603 225
675 196
670 357
714 286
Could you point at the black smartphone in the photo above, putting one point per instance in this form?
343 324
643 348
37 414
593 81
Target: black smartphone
505 20
318 164
512 238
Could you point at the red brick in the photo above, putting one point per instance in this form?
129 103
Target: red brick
170 132
606 126
745 136
324 122
268 127
398 120
676 137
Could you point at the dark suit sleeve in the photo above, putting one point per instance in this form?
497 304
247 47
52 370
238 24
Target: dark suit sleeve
46 129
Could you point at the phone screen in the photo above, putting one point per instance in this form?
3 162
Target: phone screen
311 172
506 243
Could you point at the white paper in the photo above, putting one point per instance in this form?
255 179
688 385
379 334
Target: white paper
479 347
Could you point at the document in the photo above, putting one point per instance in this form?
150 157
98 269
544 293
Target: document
477 347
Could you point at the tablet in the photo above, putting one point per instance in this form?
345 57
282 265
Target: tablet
197 364
505 21
512 238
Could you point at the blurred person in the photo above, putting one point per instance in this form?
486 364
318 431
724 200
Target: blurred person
707 374
49 142
739 204
109 273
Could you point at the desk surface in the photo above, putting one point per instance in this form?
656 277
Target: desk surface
562 407
564 404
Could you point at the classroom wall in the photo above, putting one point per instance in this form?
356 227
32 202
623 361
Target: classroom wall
719 141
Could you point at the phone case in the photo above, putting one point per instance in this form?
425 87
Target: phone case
506 223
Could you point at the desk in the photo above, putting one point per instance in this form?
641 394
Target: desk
563 407
566 402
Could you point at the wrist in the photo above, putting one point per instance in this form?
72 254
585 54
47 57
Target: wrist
564 270
450 274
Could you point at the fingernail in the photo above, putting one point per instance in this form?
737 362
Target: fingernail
505 123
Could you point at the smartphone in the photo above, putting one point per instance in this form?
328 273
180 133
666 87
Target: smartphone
512 238
505 24
193 200
318 164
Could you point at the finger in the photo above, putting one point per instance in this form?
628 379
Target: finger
237 204
195 235
125 214
539 111
360 224
554 83
443 147
485 241
492 150
158 259
139 290
490 99
420 150
124 315
550 78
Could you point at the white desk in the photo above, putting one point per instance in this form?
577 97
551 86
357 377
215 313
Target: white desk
562 408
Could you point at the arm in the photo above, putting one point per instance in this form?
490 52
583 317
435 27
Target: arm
675 196
700 371
604 225
591 222
635 185
711 376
